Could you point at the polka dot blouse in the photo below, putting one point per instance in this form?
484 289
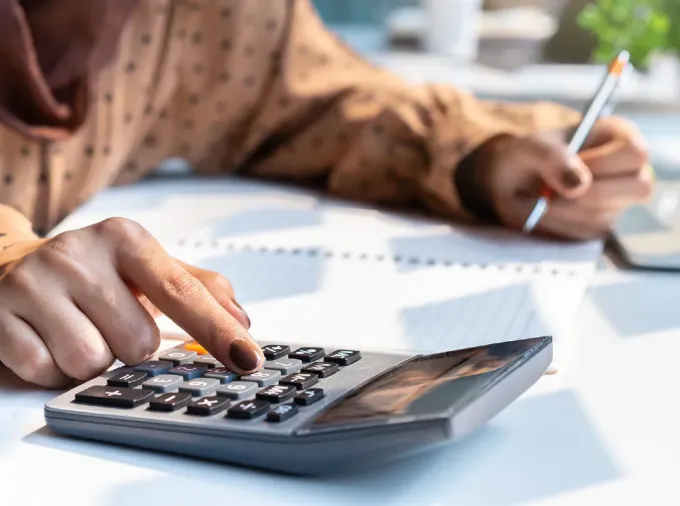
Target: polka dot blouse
259 88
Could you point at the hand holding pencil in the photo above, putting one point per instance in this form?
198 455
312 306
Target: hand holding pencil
572 184
594 111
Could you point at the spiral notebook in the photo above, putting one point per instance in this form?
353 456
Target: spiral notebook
314 269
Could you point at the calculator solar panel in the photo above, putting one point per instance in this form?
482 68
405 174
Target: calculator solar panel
323 409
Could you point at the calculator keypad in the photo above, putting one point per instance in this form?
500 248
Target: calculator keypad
301 380
237 390
128 379
264 377
284 365
248 409
114 396
189 371
322 369
276 394
188 380
163 383
309 397
282 413
155 367
222 374
208 361
307 354
275 351
177 357
207 406
200 386
344 357
170 401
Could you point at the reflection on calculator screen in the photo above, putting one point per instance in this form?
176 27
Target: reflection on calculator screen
396 392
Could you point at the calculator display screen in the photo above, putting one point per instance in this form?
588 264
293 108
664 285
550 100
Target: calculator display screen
425 385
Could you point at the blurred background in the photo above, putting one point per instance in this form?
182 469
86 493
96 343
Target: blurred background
525 50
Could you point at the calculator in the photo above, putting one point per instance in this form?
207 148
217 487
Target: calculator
308 411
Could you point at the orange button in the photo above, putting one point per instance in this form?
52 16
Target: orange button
194 346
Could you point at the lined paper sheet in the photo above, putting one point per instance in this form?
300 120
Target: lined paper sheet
337 274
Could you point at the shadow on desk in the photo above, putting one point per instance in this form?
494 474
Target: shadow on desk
540 446
640 303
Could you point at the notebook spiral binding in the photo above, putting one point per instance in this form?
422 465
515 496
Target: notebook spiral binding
233 247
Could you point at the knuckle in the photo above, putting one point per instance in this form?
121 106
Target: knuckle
21 279
64 248
216 281
122 229
90 361
36 366
147 341
181 287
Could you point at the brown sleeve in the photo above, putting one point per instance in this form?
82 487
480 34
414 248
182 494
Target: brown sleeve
367 135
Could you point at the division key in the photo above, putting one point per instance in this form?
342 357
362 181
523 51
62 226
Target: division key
114 396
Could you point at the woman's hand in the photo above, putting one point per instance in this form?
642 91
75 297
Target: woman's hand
71 305
610 174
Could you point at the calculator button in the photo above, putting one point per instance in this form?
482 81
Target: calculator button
322 369
163 383
189 371
208 406
221 373
208 361
248 409
177 357
117 371
308 354
343 357
274 351
264 378
170 401
285 365
128 379
237 390
277 393
154 367
309 397
114 396
282 413
300 380
194 346
200 387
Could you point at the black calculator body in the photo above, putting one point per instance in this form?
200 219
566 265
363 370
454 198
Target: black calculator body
309 411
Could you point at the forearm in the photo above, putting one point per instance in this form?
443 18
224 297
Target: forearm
368 135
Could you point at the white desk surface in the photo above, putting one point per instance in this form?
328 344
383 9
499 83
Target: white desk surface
608 435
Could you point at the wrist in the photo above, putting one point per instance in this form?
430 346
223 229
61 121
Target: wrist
471 178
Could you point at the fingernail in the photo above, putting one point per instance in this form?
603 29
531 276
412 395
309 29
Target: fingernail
571 179
243 311
245 355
